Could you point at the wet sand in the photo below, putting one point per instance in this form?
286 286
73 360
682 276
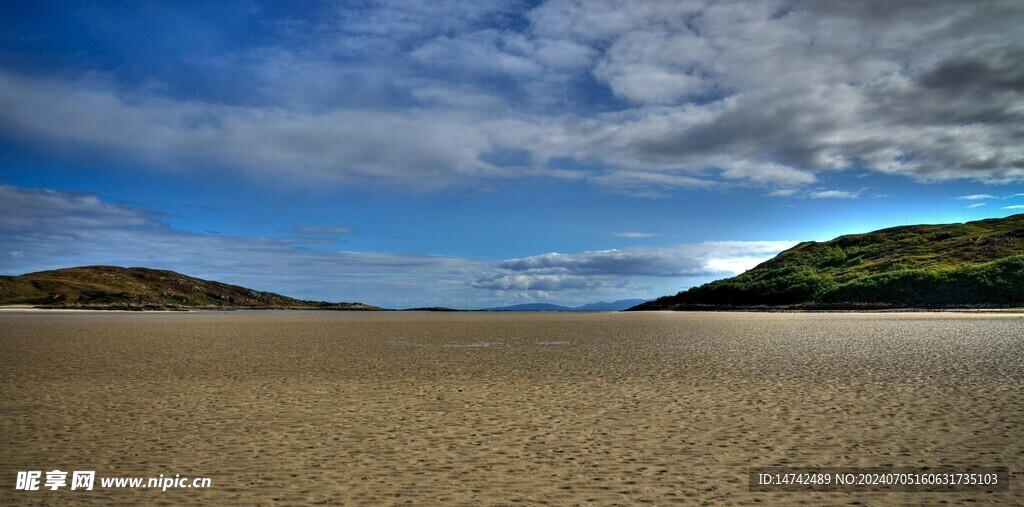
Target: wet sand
473 408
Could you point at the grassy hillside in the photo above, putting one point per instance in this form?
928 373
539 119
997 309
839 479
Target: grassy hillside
954 265
111 287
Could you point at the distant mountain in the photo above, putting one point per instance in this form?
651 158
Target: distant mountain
530 307
974 264
112 287
600 306
615 306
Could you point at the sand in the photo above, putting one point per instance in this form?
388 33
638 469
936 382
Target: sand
472 408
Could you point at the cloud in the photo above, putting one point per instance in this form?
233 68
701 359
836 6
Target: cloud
833 194
540 282
648 184
1014 207
858 91
587 270
977 205
345 145
323 230
656 67
27 212
734 265
650 96
821 193
46 229
483 52
975 197
633 235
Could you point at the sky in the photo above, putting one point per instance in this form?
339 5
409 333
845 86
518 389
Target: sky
472 154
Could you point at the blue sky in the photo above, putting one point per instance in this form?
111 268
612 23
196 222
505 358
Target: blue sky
473 154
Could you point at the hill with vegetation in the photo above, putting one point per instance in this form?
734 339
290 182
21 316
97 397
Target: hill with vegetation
117 288
974 264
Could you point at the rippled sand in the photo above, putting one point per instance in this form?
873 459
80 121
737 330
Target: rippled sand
563 409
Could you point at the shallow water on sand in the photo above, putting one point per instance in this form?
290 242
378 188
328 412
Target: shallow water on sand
479 408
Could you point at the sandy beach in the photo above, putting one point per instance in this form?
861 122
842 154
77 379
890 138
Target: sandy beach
477 408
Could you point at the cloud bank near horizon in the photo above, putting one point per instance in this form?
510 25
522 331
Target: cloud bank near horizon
588 270
47 229
637 97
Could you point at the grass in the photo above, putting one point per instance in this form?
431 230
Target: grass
973 264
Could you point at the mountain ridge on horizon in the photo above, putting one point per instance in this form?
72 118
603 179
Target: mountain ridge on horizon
102 287
961 265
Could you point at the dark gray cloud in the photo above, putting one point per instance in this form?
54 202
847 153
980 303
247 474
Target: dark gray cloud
929 90
959 75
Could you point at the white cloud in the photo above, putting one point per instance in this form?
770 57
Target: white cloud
557 271
975 197
1014 207
483 51
735 265
977 205
634 235
648 184
833 194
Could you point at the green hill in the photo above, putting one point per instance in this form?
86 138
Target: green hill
975 264
111 287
